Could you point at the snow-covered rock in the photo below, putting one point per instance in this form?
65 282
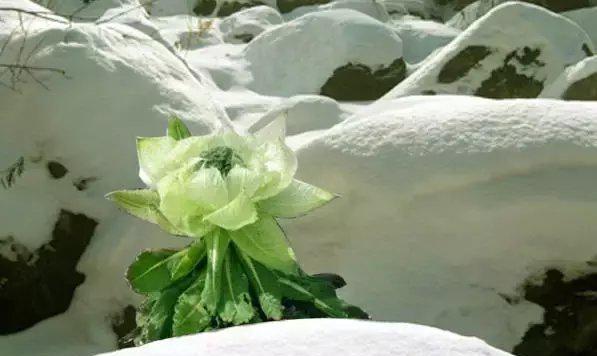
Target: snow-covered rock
585 18
86 10
448 204
578 82
320 337
492 60
423 9
421 37
74 125
244 25
375 9
300 56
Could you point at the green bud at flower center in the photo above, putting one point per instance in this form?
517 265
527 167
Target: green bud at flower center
223 158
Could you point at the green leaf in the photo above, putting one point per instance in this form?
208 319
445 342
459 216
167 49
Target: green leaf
144 204
236 214
264 282
186 263
216 244
157 322
236 307
298 199
153 271
315 292
177 129
190 313
265 242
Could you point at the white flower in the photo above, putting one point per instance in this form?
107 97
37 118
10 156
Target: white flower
223 181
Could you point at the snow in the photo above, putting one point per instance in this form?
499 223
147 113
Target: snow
571 75
87 11
325 337
449 202
558 39
331 38
585 18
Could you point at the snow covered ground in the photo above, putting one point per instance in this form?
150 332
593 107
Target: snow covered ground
449 203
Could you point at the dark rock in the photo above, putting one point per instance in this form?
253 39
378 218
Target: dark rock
569 325
245 37
355 82
584 89
83 183
462 63
204 7
230 7
38 285
288 5
587 50
56 169
506 82
124 326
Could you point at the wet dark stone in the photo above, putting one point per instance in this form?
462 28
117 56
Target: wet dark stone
584 89
230 7
462 63
355 82
505 82
204 7
569 325
56 169
288 5
124 326
38 285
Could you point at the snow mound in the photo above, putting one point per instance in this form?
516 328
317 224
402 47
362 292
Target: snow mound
86 11
492 60
375 9
400 8
578 82
320 337
244 25
74 125
299 56
448 204
585 18
422 37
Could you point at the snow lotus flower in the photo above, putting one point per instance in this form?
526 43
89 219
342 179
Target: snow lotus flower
223 183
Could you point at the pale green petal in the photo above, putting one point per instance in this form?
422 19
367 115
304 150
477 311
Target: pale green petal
176 204
153 154
238 213
242 179
265 242
297 199
207 188
280 167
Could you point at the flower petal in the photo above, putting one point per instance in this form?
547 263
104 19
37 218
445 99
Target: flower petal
153 154
280 167
242 179
297 199
238 213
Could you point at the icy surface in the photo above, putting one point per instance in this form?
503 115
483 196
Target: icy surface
320 337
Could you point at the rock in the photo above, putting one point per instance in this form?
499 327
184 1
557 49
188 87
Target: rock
578 82
87 10
451 196
492 60
245 25
419 8
375 9
585 18
332 38
357 82
325 337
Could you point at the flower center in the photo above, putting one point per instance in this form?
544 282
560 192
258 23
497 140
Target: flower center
223 158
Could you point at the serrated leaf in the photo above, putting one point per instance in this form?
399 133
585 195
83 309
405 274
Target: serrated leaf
177 129
152 270
297 199
190 314
144 204
216 244
236 307
265 284
265 242
187 262
158 321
